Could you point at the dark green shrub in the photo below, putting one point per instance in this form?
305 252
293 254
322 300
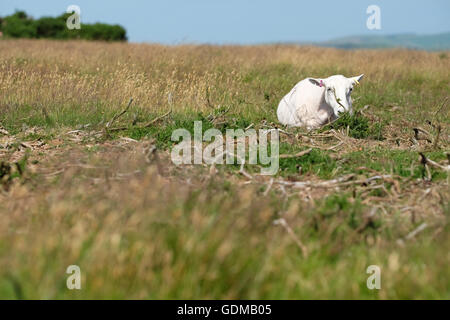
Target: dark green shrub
20 25
47 27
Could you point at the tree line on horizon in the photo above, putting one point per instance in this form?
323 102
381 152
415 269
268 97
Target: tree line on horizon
21 25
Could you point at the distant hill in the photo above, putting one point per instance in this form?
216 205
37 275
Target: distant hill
409 40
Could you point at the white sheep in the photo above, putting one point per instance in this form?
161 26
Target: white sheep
315 102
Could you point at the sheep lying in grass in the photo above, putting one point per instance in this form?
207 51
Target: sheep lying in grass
313 103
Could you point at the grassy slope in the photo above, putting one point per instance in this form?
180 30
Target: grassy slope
411 41
139 230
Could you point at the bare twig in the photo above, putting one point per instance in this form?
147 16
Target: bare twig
152 122
424 160
361 111
117 116
266 192
436 138
26 145
368 220
250 126
157 119
282 222
319 184
440 108
213 118
335 146
151 156
416 134
297 155
413 233
338 182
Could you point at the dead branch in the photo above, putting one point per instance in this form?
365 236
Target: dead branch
413 233
157 119
318 184
151 156
282 222
361 111
297 155
245 173
338 182
251 125
266 192
440 108
212 118
416 134
368 220
152 122
436 138
117 116
425 161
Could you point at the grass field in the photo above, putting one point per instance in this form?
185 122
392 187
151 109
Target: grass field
75 191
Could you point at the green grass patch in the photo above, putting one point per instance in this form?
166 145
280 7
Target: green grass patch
359 126
398 162
316 162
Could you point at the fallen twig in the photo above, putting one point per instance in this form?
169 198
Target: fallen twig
436 138
425 161
157 119
282 222
416 134
266 192
338 182
297 155
151 156
440 108
368 220
413 233
117 116
323 184
213 118
144 126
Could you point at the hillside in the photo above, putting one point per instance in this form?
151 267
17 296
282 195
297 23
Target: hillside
410 41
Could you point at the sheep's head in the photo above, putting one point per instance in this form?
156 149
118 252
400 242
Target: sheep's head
338 90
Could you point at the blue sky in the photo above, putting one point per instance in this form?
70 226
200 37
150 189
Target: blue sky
247 21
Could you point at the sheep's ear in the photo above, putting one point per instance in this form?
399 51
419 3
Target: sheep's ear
317 82
357 79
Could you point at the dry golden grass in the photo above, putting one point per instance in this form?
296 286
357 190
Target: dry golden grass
42 73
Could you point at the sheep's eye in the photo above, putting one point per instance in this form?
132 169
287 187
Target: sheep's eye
329 89
350 89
